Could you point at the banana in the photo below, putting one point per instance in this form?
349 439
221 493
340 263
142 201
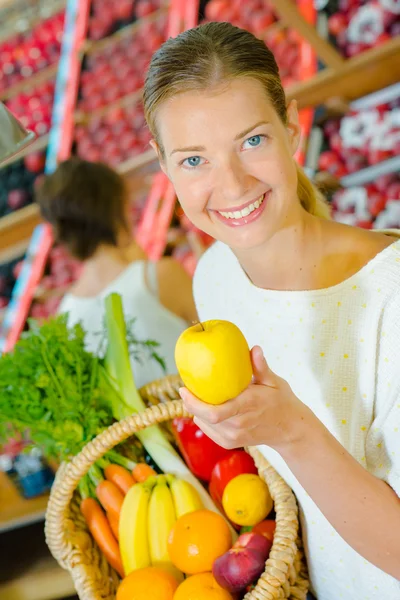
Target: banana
133 536
161 519
186 498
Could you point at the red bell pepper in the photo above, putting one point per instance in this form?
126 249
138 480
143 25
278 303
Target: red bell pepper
235 463
199 451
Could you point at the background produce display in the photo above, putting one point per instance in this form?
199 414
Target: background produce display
361 138
357 25
25 54
108 16
259 17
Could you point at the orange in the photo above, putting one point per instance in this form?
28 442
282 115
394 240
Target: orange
201 587
148 582
246 500
197 539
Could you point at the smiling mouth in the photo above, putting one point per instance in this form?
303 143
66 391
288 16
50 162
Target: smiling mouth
244 212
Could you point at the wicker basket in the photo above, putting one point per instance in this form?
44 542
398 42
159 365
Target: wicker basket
73 547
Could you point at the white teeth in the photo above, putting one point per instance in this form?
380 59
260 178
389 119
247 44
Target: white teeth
245 212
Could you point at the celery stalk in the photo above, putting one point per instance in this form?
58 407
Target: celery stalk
118 367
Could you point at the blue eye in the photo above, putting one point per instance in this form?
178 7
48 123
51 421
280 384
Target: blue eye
254 141
192 161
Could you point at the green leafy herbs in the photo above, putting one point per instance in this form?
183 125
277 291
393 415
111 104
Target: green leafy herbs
55 390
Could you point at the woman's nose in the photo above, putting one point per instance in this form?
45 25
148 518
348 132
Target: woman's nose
233 180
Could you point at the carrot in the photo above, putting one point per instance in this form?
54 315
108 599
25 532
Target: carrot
110 497
101 531
114 524
120 477
142 471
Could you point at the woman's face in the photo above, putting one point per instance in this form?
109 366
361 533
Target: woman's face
230 159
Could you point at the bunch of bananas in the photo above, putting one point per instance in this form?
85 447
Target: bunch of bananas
148 514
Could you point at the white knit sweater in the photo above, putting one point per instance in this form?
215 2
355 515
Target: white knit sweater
339 349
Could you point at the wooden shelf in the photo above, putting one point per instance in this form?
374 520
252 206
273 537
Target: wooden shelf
18 226
121 34
290 15
16 511
82 117
363 74
137 162
29 82
12 23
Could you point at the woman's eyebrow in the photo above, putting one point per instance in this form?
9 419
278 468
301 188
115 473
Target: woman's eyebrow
237 137
189 149
249 129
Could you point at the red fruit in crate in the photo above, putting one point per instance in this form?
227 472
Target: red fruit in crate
364 224
393 191
35 162
17 199
237 568
337 23
355 162
336 142
261 20
329 161
355 49
123 9
376 203
383 182
217 9
377 155
144 8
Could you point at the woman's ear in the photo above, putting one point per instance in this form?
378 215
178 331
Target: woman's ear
157 149
293 125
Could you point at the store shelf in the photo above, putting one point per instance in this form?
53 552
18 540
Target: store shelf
29 82
137 162
371 173
18 226
363 74
12 24
92 47
16 511
81 117
289 14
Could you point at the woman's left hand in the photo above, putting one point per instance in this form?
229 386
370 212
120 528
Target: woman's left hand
267 412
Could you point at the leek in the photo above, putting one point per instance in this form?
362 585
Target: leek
118 367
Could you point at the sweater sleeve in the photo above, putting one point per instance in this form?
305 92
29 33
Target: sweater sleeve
383 440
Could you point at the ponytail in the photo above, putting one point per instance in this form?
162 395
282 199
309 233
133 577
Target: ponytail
311 199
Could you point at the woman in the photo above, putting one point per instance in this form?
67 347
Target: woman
318 299
87 205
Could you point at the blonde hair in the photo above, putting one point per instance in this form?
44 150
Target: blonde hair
208 55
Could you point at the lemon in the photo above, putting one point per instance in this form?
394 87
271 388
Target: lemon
246 500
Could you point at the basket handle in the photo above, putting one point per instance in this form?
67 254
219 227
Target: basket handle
69 474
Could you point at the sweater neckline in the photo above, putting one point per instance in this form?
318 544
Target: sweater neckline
352 282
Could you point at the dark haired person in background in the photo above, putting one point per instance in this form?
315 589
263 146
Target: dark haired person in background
86 203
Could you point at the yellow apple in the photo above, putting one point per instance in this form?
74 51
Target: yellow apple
213 360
